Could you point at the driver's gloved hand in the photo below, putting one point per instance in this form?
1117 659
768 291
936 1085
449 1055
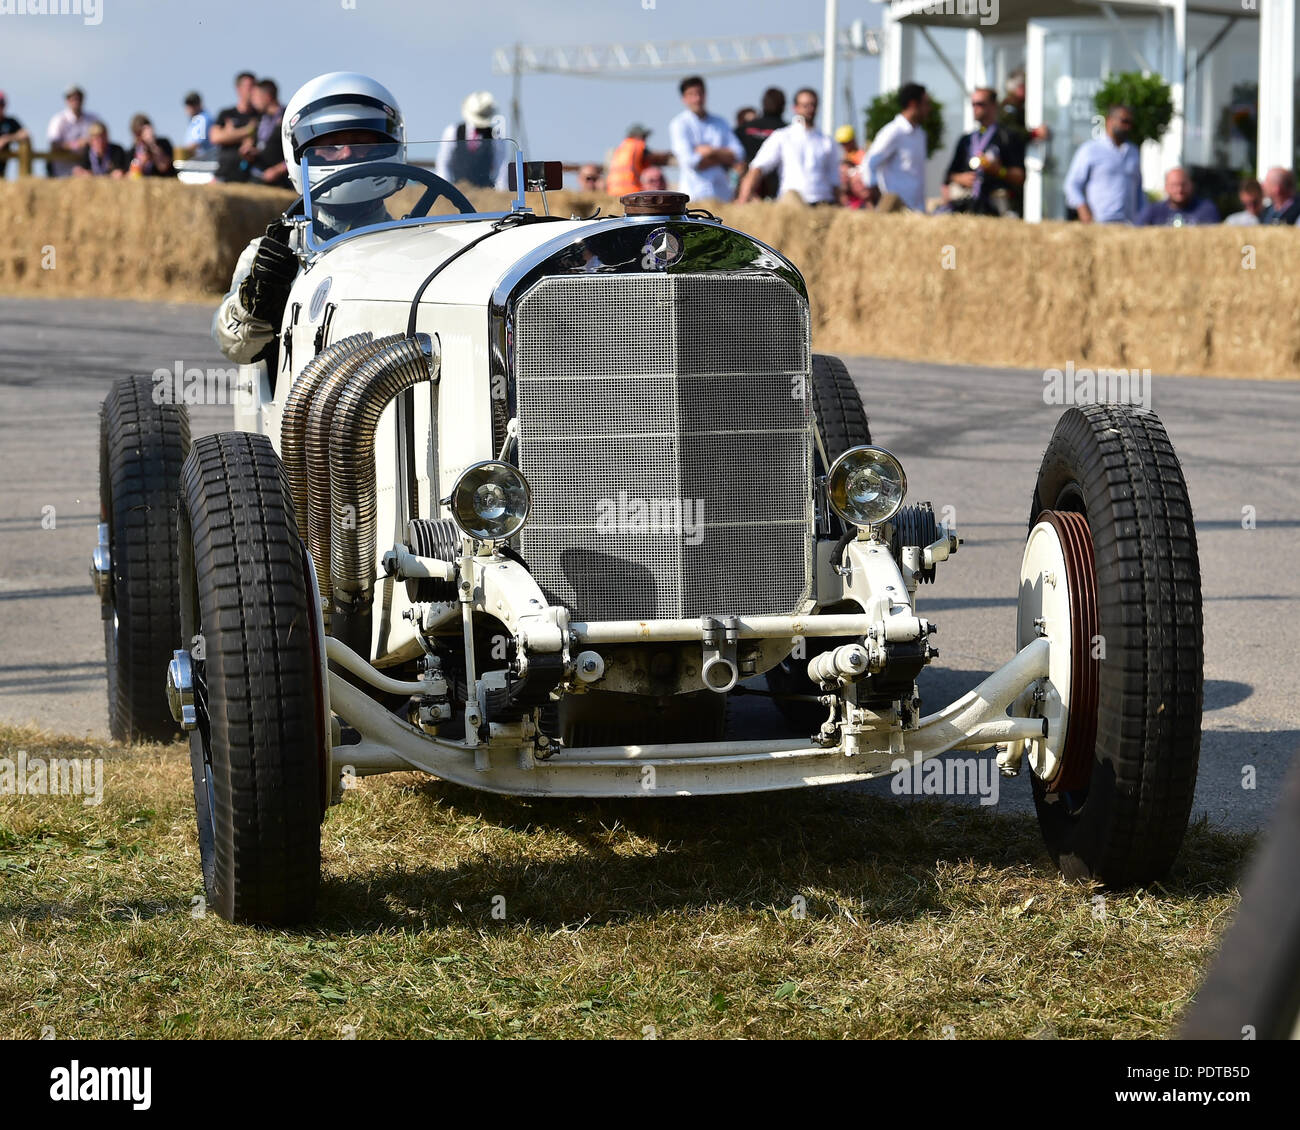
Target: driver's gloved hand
278 231
265 290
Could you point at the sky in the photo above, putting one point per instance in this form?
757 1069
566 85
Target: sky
143 55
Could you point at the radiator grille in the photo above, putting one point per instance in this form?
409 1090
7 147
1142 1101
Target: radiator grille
664 429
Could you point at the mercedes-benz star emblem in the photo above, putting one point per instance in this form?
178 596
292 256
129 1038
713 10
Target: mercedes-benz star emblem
662 248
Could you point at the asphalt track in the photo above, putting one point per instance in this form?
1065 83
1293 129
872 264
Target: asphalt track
969 438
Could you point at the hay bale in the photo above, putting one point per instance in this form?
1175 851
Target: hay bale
145 238
960 289
984 291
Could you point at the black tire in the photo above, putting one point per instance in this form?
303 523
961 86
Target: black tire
842 423
142 445
258 749
841 419
1116 466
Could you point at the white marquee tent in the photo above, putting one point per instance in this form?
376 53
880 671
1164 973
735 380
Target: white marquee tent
1218 56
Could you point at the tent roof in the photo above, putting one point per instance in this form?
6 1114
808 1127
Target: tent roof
1014 14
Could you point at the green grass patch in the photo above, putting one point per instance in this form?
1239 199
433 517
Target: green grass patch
450 913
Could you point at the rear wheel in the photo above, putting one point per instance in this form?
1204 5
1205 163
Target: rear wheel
841 424
258 747
1115 791
142 445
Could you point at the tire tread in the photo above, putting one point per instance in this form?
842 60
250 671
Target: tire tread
143 445
262 679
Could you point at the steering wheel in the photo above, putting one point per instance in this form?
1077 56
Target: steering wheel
435 187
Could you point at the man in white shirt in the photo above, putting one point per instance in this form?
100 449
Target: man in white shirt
70 129
807 159
704 145
896 160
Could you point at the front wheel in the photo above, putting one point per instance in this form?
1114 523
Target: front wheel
841 424
257 747
1111 574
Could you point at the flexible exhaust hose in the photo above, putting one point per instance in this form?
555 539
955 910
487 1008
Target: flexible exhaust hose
400 363
319 420
438 538
293 424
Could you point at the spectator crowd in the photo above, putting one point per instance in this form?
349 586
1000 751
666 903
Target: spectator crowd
241 143
762 155
758 155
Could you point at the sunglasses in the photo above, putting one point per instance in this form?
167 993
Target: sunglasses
981 102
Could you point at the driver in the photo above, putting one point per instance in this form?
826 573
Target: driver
338 121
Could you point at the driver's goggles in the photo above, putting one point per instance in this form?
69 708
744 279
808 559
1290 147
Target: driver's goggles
359 152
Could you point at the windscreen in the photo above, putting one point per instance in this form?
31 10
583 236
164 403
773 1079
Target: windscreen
358 185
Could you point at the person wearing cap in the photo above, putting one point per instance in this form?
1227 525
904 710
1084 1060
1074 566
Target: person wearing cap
852 191
805 158
70 129
100 157
630 160
197 136
471 152
11 131
850 151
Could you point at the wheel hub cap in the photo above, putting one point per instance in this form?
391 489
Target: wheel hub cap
180 690
101 566
1058 599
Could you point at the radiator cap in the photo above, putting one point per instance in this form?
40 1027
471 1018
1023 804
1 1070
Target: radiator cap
654 203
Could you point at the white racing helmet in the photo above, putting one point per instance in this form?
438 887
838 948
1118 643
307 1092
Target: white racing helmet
343 100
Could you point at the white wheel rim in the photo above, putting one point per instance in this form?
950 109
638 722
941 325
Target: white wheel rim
1045 598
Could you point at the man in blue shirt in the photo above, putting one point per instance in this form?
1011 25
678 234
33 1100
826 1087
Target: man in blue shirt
200 125
1104 184
1181 206
704 145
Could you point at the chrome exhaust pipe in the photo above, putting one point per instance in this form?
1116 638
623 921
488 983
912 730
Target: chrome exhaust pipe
320 418
397 364
293 424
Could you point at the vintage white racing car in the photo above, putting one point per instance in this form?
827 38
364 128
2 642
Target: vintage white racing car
518 500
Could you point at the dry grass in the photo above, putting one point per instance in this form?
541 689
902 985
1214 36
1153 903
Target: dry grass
672 919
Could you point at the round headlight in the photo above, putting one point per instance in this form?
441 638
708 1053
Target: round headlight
866 486
491 500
